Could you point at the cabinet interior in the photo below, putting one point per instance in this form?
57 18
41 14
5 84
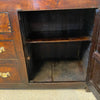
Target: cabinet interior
56 43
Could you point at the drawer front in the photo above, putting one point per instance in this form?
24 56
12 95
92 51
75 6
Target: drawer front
7 50
9 72
4 23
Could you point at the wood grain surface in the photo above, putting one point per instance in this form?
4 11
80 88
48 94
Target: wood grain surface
4 23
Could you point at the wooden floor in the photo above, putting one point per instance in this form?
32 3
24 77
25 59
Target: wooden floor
60 71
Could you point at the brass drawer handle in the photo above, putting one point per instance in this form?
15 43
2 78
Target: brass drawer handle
4 75
2 49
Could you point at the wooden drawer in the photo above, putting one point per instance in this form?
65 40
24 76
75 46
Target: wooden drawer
7 50
4 23
9 72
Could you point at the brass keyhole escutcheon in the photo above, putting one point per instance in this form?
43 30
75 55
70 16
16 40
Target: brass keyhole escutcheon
2 49
4 75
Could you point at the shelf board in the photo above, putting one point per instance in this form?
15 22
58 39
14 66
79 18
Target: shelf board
59 40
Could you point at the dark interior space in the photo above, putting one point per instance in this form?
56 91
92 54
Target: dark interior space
57 43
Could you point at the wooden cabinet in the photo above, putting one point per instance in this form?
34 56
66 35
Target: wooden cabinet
56 44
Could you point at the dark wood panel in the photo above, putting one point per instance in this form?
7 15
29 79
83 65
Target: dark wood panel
4 23
96 74
95 55
18 45
56 24
16 34
7 50
98 46
93 47
54 51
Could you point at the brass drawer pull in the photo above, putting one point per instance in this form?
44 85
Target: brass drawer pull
4 75
2 49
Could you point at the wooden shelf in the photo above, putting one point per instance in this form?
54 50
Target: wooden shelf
59 40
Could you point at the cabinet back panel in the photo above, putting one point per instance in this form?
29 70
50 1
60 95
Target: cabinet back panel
55 50
57 23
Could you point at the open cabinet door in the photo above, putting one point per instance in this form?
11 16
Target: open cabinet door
94 68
